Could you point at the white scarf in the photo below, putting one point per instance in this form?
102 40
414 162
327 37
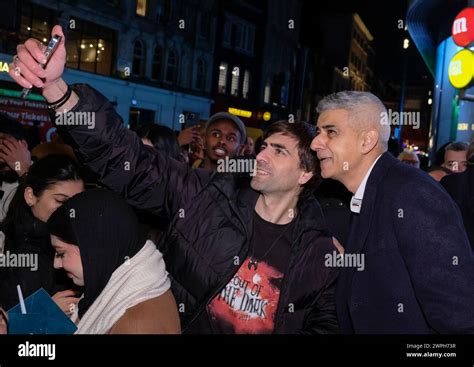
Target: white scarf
138 279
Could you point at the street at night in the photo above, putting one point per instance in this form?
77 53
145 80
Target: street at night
288 172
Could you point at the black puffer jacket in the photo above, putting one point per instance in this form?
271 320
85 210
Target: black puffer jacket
211 222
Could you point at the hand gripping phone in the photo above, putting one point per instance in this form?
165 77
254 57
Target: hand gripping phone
48 52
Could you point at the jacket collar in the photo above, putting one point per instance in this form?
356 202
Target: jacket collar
360 228
237 190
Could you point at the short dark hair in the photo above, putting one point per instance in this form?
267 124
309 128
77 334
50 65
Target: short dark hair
470 152
162 137
41 175
457 146
304 133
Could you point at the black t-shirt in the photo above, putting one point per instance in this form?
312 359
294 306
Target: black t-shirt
248 304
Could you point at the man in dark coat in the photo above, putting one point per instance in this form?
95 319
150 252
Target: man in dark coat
415 268
243 258
461 188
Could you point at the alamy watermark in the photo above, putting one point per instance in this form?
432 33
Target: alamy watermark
12 260
75 119
337 260
28 349
400 118
237 165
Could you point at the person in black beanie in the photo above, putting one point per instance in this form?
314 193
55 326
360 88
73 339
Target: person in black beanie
100 244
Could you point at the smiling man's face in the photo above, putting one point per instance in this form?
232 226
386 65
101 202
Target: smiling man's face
279 166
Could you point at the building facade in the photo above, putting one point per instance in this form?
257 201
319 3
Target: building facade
152 58
341 57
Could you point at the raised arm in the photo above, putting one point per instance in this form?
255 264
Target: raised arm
147 179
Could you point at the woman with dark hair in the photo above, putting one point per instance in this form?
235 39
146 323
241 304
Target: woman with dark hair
100 245
161 138
48 183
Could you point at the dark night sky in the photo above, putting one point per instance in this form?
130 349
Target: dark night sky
381 18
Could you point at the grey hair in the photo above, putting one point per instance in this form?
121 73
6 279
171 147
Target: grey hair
366 110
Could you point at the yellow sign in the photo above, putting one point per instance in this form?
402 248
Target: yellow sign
463 127
267 116
4 67
461 69
242 113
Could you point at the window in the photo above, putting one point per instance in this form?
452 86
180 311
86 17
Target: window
266 93
222 86
245 87
163 8
157 63
185 72
139 59
227 38
277 88
200 75
238 35
250 39
172 67
36 22
205 25
90 47
242 36
234 86
88 53
141 7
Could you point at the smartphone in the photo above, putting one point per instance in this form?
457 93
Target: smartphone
48 52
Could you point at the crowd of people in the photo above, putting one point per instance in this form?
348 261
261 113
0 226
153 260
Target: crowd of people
139 232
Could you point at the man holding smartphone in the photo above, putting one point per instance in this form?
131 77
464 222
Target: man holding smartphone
246 256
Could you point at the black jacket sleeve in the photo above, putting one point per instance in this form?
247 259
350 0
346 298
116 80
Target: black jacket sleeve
437 254
39 275
322 319
147 179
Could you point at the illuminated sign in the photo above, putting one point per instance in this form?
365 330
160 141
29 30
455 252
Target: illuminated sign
461 69
4 68
463 28
242 113
29 111
463 126
267 116
17 94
